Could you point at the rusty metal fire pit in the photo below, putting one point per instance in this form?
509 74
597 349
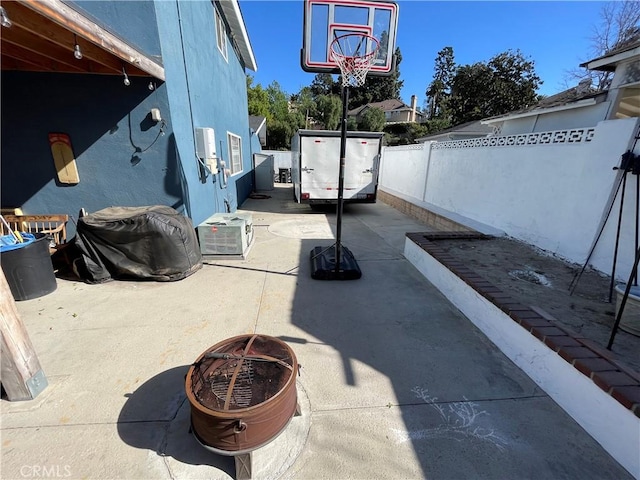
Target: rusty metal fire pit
243 394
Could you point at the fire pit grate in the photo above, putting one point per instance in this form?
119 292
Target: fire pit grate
241 375
242 393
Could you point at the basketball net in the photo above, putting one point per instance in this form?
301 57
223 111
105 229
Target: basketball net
346 54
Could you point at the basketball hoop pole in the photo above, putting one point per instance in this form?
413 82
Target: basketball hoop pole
354 65
343 153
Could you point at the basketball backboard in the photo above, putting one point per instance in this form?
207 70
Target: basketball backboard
325 20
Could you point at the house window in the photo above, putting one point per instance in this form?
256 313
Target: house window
235 152
221 35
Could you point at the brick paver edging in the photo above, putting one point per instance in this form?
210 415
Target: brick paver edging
597 363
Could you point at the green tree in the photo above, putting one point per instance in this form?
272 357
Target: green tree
439 90
323 84
283 120
279 134
329 108
376 88
506 83
404 133
278 102
372 120
258 99
305 104
469 99
514 82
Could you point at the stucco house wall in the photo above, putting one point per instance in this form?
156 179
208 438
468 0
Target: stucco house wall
123 19
204 90
123 157
107 123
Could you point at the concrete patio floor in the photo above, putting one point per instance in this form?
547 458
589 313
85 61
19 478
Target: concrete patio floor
395 382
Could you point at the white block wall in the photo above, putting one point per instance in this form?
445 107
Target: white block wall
549 189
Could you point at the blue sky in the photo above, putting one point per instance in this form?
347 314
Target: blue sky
555 35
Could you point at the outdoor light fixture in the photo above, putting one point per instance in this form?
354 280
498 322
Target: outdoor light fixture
126 78
4 18
76 49
151 86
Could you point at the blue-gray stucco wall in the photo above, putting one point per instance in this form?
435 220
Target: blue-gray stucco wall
204 90
121 160
120 157
133 21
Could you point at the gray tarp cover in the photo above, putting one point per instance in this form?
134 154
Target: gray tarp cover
155 243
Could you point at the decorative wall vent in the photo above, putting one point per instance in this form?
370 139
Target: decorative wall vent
402 148
555 137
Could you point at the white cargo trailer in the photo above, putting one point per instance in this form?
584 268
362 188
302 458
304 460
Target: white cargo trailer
315 166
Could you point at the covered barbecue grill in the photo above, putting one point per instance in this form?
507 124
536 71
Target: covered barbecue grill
152 243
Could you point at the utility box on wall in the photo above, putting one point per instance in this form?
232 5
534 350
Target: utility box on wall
226 234
206 148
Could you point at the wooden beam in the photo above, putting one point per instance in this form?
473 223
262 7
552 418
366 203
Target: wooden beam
21 375
73 21
38 54
63 42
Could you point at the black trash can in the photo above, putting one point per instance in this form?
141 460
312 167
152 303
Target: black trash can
28 268
284 175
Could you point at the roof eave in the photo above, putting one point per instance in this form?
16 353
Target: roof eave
232 13
78 23
262 125
608 63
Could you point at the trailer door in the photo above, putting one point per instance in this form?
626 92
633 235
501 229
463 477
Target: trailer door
319 167
361 164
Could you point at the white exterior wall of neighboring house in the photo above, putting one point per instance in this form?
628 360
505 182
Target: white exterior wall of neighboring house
572 117
575 118
626 73
626 87
548 189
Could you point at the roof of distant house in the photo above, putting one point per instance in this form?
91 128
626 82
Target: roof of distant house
609 60
385 105
581 95
470 128
256 122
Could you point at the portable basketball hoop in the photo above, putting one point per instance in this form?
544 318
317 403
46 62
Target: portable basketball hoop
355 54
364 42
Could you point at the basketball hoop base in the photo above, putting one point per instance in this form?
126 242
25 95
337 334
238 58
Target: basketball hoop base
323 264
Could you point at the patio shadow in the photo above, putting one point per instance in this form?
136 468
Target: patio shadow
156 417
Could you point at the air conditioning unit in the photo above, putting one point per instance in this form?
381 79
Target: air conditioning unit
226 234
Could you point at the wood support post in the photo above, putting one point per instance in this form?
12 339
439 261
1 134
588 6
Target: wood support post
21 375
